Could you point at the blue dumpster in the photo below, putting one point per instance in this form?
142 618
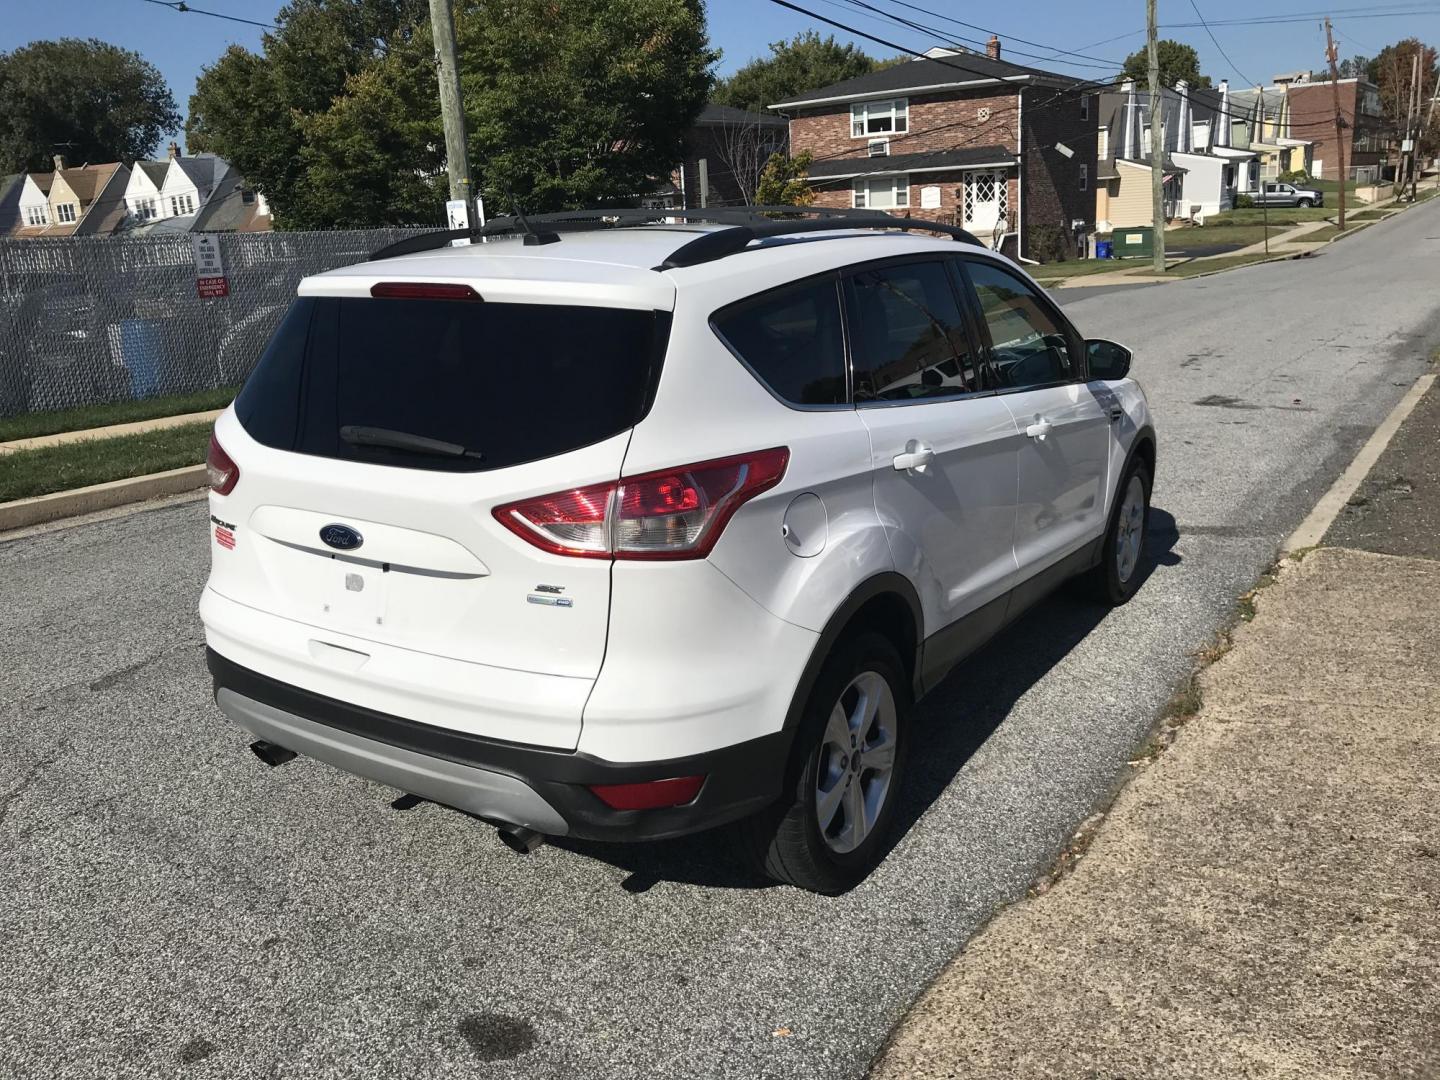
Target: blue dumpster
1104 250
141 353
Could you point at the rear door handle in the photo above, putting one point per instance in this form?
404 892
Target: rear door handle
916 457
1038 430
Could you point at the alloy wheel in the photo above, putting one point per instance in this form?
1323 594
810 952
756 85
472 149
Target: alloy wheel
857 762
1130 529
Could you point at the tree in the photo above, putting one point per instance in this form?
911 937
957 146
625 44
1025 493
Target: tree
89 100
784 181
1392 74
743 146
584 110
338 119
806 62
1357 67
1177 61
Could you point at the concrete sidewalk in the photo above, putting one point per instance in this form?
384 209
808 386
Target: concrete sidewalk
1263 899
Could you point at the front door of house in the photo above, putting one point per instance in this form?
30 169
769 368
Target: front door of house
986 198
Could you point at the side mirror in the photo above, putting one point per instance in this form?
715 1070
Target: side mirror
1107 359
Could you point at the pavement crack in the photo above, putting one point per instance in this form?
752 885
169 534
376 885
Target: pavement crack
9 799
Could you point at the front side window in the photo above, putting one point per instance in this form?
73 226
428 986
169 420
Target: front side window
1028 345
791 339
879 117
880 192
908 338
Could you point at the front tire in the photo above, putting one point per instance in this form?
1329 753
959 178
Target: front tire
1117 577
1305 204
829 828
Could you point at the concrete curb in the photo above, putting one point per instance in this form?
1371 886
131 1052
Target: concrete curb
60 504
137 427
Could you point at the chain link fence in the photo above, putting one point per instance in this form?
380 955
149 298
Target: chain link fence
85 320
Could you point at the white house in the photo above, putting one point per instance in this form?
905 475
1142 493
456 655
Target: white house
143 201
35 200
190 181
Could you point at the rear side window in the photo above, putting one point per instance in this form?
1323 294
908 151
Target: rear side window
791 340
508 383
908 337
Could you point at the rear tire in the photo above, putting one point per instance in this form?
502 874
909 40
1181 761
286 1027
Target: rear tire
828 830
1117 577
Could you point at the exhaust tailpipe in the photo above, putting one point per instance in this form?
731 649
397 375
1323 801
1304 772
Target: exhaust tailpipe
270 754
520 839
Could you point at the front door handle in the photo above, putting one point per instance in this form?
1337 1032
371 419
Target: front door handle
916 457
1117 413
1038 430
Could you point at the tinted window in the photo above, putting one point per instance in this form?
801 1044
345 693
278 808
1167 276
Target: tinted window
514 382
269 403
1029 347
907 335
791 340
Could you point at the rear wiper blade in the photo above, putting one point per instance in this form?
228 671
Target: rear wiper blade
357 435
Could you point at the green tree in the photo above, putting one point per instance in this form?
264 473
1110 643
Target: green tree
256 109
784 182
806 62
580 110
89 100
1177 61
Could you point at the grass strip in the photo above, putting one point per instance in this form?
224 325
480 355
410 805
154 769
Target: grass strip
1051 273
30 425
27 473
1207 266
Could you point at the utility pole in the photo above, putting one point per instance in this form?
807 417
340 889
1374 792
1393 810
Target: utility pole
1412 122
1331 54
1157 138
452 109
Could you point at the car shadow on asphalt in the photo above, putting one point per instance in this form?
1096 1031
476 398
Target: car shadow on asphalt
952 723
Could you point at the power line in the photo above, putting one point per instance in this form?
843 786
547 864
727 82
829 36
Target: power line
1054 51
1243 77
964 42
182 6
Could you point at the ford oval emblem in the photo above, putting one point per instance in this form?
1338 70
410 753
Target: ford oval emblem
341 536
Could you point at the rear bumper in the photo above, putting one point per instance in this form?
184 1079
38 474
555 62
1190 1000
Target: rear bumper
540 788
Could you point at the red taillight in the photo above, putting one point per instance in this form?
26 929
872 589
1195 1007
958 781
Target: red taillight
651 794
223 472
671 514
422 290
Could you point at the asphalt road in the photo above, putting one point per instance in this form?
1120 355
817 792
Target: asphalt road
173 908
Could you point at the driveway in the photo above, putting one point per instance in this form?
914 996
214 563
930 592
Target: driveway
174 908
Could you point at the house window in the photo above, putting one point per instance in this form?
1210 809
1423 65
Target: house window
65 212
182 204
880 193
144 209
1102 144
1084 106
35 215
1084 177
879 117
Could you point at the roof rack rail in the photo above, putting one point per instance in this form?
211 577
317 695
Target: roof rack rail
746 223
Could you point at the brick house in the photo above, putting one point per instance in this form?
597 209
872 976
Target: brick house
1367 139
1003 150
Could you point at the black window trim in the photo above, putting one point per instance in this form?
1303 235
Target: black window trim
972 335
756 298
1078 357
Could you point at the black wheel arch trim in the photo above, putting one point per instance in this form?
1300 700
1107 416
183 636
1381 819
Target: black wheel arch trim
887 582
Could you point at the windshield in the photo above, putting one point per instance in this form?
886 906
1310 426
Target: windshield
450 385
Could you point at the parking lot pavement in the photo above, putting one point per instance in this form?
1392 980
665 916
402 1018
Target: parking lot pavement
174 908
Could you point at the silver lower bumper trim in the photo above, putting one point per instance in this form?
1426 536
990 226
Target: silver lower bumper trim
491 795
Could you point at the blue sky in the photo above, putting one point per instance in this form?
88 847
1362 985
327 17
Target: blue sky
180 44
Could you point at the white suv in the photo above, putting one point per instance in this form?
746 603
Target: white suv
622 532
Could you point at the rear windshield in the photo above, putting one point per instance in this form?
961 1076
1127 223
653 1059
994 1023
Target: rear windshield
508 383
